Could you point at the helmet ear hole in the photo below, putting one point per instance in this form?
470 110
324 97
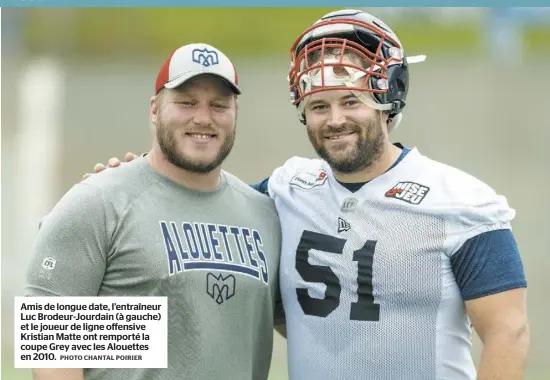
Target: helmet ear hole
401 86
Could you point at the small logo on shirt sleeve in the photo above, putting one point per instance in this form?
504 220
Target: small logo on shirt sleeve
409 192
308 180
48 263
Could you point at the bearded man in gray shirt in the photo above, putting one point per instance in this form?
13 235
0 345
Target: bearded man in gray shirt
175 224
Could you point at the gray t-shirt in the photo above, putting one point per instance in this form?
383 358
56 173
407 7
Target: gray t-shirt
133 232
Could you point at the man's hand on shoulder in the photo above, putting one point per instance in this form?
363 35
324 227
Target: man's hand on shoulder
112 163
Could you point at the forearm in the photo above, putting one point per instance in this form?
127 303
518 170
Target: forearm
58 374
504 356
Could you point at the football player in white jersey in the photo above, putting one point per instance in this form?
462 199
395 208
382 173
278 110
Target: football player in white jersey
389 258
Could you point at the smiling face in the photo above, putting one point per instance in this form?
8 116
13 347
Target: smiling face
344 131
195 123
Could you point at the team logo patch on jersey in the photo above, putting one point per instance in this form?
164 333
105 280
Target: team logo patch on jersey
409 192
349 205
307 181
220 287
343 225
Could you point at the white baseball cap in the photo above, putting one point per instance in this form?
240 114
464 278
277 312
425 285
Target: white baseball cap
191 60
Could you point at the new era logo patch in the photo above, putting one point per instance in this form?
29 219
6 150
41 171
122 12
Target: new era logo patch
409 192
343 225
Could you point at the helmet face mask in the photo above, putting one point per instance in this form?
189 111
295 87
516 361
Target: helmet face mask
350 50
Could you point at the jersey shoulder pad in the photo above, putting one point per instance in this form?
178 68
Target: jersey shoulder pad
471 206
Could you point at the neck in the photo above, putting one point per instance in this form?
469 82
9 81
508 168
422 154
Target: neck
389 155
191 180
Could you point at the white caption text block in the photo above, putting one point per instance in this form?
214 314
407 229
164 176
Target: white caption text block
91 332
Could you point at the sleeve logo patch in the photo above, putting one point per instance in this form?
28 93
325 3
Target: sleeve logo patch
409 192
307 181
48 263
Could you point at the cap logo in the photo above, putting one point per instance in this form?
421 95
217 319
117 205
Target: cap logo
205 57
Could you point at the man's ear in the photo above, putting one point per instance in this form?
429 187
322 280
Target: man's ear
154 105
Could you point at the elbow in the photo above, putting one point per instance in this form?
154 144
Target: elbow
522 335
516 335
519 333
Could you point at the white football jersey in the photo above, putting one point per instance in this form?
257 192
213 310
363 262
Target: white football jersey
366 278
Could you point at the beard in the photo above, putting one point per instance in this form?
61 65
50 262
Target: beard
367 148
167 141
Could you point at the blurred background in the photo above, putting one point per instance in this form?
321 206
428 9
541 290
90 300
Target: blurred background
76 84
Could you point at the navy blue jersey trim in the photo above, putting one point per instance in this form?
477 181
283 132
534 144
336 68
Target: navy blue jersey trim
488 263
261 186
